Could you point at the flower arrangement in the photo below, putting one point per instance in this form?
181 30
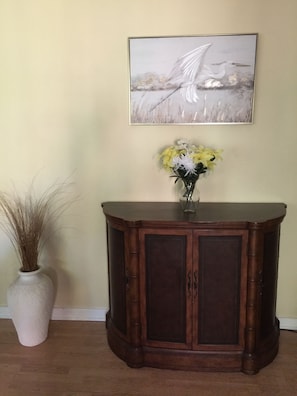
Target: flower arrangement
187 161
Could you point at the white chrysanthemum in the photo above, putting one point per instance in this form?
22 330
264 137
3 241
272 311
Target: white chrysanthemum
185 162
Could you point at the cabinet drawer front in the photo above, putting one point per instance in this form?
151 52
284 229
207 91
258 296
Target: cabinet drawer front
163 280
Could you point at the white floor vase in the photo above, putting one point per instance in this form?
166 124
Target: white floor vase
30 301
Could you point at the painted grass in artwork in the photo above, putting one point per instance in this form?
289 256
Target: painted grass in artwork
213 106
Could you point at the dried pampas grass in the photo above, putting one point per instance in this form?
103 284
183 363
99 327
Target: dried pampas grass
27 219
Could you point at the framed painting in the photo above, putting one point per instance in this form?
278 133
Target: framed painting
192 79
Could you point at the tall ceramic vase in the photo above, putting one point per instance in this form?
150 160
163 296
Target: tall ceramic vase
30 300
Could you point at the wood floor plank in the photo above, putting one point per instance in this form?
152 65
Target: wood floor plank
76 361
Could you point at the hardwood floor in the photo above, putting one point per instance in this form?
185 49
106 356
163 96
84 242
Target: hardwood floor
76 361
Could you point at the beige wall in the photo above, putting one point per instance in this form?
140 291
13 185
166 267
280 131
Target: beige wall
64 111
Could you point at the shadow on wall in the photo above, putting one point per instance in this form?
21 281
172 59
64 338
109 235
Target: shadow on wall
51 258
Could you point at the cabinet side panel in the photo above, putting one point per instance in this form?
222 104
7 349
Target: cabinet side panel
219 289
165 287
269 283
117 279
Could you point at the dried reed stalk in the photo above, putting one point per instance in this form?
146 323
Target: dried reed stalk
28 218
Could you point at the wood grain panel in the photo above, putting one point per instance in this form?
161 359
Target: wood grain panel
219 289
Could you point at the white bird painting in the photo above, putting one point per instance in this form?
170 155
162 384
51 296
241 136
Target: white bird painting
190 72
198 88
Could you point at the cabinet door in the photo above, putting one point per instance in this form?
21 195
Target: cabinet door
220 272
165 270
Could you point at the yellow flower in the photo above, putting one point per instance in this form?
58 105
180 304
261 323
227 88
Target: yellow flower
167 156
204 158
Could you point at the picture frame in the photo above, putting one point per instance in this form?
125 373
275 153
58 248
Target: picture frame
191 80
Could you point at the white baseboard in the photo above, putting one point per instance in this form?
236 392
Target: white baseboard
4 313
288 323
98 315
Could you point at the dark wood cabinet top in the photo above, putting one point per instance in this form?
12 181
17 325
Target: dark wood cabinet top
244 215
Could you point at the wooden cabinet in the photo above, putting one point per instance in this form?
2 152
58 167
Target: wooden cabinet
195 291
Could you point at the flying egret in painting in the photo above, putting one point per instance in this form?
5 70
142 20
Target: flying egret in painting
187 70
191 72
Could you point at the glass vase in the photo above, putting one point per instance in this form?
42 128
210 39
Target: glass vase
189 196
